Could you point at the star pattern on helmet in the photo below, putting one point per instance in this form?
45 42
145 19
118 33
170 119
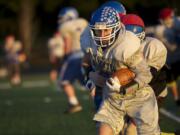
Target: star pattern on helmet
109 15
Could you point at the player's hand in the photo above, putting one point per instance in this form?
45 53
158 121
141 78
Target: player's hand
90 85
113 84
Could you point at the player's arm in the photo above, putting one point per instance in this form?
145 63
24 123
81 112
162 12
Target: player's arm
86 61
120 80
67 44
66 33
142 78
86 66
136 63
143 75
139 66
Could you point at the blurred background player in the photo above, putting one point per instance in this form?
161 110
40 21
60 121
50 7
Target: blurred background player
71 27
85 41
56 53
171 38
169 33
155 54
14 56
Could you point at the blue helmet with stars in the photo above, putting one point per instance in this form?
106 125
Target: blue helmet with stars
105 26
117 6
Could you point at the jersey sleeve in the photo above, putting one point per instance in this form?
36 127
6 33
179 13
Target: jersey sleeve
139 66
156 54
85 40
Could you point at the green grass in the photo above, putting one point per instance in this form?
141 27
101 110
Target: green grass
28 112
25 112
167 124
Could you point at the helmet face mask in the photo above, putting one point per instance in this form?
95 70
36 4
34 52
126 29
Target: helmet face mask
105 26
137 30
104 36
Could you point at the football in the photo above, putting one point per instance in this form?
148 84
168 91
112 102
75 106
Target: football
124 76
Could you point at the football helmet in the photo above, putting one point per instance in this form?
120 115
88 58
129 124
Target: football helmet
135 24
166 16
165 13
66 14
117 6
105 26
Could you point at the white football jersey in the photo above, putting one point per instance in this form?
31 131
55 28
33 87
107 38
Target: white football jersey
125 52
56 46
154 52
73 29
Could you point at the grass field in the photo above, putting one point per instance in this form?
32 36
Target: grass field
38 110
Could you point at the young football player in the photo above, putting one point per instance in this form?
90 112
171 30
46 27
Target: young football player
110 50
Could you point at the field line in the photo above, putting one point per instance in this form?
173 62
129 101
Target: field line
26 84
169 115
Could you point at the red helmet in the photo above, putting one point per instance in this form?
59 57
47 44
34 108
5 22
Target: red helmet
165 13
135 24
132 19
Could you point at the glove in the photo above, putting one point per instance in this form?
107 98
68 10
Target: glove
113 84
90 85
85 71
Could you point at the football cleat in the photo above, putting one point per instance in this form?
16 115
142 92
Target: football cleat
73 109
